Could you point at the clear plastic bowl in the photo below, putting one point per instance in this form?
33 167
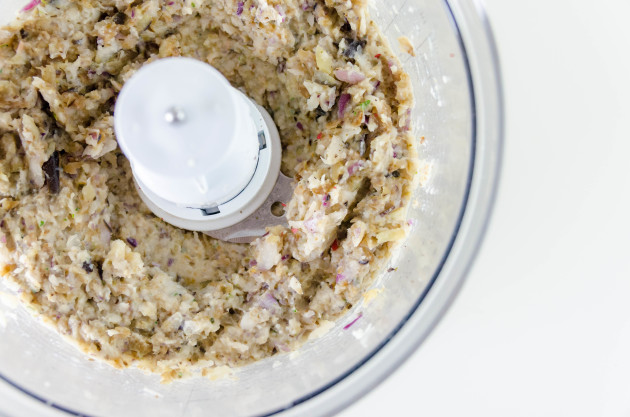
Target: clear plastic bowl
459 113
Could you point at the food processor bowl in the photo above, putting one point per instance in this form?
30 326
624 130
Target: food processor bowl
458 123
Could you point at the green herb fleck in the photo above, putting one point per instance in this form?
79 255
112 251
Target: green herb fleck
365 105
212 320
77 209
295 310
180 374
42 223
192 4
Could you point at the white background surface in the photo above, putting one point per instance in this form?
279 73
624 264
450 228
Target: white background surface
542 326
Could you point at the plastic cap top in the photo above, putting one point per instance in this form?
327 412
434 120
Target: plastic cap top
186 132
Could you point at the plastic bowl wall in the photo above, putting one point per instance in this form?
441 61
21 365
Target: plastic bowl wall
458 113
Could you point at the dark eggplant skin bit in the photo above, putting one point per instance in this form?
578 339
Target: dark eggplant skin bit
51 171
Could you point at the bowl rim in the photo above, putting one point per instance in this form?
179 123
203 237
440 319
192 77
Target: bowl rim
472 27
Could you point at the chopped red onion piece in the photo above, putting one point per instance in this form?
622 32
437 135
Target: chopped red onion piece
280 11
407 126
133 242
253 262
283 347
268 301
349 76
31 5
170 261
347 326
340 278
300 126
239 9
355 167
344 99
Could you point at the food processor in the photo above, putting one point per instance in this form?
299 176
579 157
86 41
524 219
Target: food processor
204 156
457 121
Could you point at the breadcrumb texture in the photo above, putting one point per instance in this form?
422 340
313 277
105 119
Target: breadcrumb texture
88 257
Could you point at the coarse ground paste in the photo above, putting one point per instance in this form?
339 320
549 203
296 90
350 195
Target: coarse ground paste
87 255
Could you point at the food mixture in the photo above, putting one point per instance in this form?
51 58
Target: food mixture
88 256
